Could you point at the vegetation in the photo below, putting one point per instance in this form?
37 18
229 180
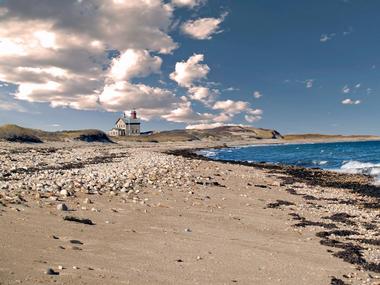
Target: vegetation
14 133
215 134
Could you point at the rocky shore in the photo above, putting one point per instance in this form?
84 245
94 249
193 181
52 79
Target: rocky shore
76 213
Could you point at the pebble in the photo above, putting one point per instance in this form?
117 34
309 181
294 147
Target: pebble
64 193
62 207
87 201
50 271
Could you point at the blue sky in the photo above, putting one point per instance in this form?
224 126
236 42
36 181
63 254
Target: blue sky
314 63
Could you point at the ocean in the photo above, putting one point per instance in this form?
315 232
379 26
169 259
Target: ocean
347 157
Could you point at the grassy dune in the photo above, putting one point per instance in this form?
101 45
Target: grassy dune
216 134
14 133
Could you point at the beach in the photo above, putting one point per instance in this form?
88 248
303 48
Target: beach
155 213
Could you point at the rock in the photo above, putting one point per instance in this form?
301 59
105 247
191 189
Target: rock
50 271
60 267
87 201
64 193
62 207
188 230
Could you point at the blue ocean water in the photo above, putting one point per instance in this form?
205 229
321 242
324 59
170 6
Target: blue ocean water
348 157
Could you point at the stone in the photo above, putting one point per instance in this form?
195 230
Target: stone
62 207
50 271
64 193
87 201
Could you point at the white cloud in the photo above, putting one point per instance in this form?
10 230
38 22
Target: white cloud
188 3
257 94
190 71
309 83
223 117
54 51
204 28
326 37
351 102
204 126
123 95
185 114
203 94
254 115
252 119
134 63
230 106
231 89
358 85
211 126
346 89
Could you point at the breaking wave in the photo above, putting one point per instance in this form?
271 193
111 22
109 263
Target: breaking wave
347 157
366 168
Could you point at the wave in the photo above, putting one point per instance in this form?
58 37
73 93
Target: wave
366 168
322 162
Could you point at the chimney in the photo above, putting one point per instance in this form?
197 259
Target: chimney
133 115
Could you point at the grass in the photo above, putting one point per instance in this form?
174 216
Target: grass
14 133
216 134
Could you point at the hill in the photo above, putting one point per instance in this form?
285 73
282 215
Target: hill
215 134
14 133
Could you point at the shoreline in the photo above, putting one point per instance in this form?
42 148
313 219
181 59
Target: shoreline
313 176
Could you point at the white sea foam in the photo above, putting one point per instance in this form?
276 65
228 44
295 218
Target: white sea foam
207 153
358 167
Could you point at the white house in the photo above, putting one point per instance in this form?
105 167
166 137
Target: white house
126 126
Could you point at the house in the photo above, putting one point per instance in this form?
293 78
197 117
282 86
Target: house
126 126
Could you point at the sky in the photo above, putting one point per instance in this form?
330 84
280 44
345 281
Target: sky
297 66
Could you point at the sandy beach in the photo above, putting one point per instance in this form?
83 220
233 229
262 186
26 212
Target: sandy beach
130 213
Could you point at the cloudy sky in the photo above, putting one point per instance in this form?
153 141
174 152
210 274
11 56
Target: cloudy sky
293 65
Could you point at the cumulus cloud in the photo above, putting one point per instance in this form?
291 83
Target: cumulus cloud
56 51
188 3
230 106
203 94
351 102
204 28
185 114
123 95
254 115
134 63
190 71
205 126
